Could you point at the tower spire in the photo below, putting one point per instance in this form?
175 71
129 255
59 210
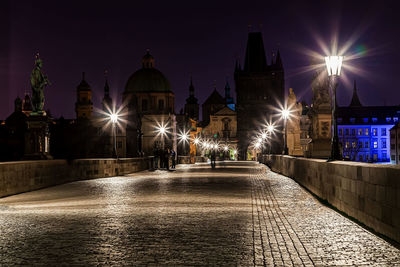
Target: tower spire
191 87
355 101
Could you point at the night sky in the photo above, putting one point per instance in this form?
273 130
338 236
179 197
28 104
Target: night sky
191 37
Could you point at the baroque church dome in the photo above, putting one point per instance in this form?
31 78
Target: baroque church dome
147 79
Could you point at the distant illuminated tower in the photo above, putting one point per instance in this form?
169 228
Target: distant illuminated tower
191 106
107 100
84 104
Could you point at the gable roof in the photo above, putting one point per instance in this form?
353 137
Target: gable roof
214 98
225 111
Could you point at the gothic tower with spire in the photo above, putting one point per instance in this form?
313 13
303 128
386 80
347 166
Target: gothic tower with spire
259 88
192 106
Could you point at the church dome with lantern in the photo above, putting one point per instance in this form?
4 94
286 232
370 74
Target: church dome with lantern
147 79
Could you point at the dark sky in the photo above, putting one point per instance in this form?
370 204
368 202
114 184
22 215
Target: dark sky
202 38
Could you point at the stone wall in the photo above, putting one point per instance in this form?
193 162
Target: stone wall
369 193
22 176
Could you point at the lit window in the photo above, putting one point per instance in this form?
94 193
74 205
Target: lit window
360 131
347 145
365 120
352 120
384 143
383 131
366 143
354 144
366 131
375 143
388 119
374 131
374 119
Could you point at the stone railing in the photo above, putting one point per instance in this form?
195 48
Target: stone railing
22 176
370 193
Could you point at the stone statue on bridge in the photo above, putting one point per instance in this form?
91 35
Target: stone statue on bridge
38 82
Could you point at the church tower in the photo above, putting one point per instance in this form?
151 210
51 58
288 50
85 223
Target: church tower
191 106
259 88
107 100
228 99
84 104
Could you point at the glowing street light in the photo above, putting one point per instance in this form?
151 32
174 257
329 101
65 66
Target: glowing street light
270 128
333 66
114 121
196 141
263 135
225 148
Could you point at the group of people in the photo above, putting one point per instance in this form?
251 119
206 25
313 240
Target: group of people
161 157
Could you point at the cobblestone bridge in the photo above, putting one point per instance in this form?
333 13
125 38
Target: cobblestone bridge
238 214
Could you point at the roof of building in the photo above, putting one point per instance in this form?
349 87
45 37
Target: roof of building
255 60
147 79
214 98
368 114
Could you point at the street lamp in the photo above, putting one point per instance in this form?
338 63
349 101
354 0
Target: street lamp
334 65
114 120
285 115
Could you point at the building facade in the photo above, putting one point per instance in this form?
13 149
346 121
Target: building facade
364 131
395 144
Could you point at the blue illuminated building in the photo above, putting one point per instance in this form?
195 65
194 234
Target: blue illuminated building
364 131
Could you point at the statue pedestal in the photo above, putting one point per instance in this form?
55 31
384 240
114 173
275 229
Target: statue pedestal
37 138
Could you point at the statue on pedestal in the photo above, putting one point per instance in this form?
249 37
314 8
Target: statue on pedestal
38 82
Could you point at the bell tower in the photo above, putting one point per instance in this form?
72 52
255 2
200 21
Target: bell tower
84 104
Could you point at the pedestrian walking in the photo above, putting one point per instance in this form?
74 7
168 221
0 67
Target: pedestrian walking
213 157
156 154
166 158
173 155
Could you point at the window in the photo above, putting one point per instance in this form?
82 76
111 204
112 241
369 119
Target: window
340 131
360 157
360 131
383 131
374 120
354 144
375 143
383 143
367 157
374 131
365 120
366 144
347 145
144 104
353 131
393 157
352 120
347 131
384 155
161 104
366 131
375 157
388 119
360 144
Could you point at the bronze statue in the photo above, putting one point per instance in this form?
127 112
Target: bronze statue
38 82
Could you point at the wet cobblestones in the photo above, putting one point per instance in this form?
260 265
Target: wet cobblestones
236 215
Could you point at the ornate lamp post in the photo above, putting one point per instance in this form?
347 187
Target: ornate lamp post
334 65
114 120
285 115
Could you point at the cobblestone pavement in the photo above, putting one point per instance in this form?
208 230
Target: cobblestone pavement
239 214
